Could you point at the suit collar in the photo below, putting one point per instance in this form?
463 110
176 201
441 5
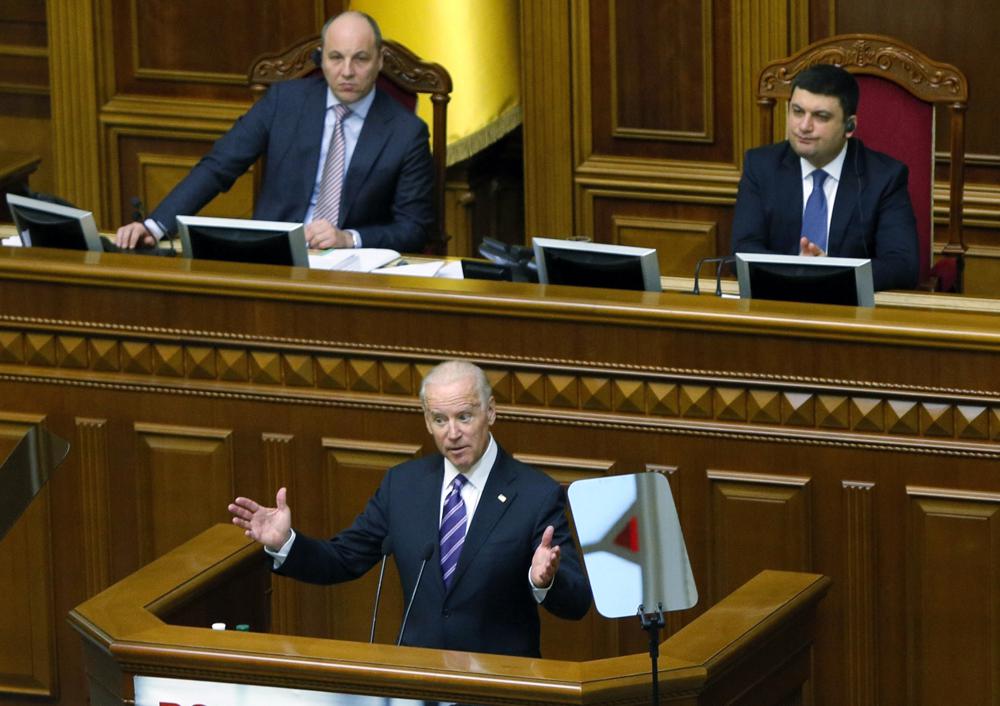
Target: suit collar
848 193
310 137
375 133
497 496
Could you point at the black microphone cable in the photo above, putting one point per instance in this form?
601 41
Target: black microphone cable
386 551
426 554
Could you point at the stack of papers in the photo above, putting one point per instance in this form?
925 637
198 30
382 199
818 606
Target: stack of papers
13 241
349 260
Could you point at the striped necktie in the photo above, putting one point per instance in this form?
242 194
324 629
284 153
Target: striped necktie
330 186
452 529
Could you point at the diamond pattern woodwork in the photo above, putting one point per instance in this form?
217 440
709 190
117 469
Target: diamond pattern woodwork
561 391
730 402
104 354
629 396
11 347
71 351
696 401
265 367
298 370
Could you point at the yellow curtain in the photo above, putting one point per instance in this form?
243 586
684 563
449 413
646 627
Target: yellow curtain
478 41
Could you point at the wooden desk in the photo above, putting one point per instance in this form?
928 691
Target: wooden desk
860 444
154 623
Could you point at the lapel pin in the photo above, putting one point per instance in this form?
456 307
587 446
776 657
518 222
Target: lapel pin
502 498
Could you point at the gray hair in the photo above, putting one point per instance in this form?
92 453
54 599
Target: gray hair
365 16
451 370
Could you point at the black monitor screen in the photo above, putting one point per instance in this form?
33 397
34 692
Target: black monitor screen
593 269
259 247
800 283
49 230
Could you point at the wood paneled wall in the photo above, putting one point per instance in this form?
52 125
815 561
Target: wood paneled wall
638 112
25 124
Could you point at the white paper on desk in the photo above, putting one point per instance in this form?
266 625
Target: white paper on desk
13 241
451 270
420 269
352 260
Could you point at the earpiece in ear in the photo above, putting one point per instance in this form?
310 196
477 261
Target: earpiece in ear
850 125
317 57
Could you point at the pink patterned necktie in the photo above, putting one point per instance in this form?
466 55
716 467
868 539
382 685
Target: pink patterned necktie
452 534
328 203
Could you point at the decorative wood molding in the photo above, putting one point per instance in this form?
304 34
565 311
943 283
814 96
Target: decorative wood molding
707 133
549 121
193 462
745 510
566 470
804 411
860 570
74 70
278 462
95 499
953 550
762 31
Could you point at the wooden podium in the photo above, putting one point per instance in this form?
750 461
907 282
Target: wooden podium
755 646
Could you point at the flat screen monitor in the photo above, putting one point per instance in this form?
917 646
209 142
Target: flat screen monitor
238 240
585 264
817 280
43 224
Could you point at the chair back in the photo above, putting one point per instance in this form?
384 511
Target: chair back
900 89
404 76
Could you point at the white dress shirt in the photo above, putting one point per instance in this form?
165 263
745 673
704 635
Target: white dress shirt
833 172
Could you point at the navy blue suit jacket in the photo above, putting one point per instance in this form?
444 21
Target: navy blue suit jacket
388 189
489 606
872 216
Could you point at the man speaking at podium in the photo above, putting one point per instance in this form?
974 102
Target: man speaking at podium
488 533
823 192
340 156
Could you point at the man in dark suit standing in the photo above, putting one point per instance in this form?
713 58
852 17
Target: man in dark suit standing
822 192
493 532
341 157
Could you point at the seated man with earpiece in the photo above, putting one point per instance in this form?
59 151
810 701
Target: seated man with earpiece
822 192
340 156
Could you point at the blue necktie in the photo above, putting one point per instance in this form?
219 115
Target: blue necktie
814 217
452 529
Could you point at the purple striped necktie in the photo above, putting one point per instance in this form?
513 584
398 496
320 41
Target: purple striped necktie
330 185
452 529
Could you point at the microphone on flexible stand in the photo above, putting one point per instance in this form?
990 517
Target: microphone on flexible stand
426 554
386 551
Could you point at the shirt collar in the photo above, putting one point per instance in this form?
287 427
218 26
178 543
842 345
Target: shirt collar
359 108
480 471
833 169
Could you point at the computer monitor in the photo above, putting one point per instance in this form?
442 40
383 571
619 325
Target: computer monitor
794 278
239 240
43 224
585 264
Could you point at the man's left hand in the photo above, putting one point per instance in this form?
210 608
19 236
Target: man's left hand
322 235
545 562
809 248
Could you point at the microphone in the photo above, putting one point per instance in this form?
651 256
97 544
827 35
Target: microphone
386 551
426 554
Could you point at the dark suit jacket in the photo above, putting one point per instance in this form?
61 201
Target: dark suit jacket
388 189
489 606
872 215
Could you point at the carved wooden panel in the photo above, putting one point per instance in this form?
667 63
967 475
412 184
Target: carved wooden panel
679 243
180 64
95 501
952 591
353 470
184 481
27 621
859 585
756 522
278 462
630 41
